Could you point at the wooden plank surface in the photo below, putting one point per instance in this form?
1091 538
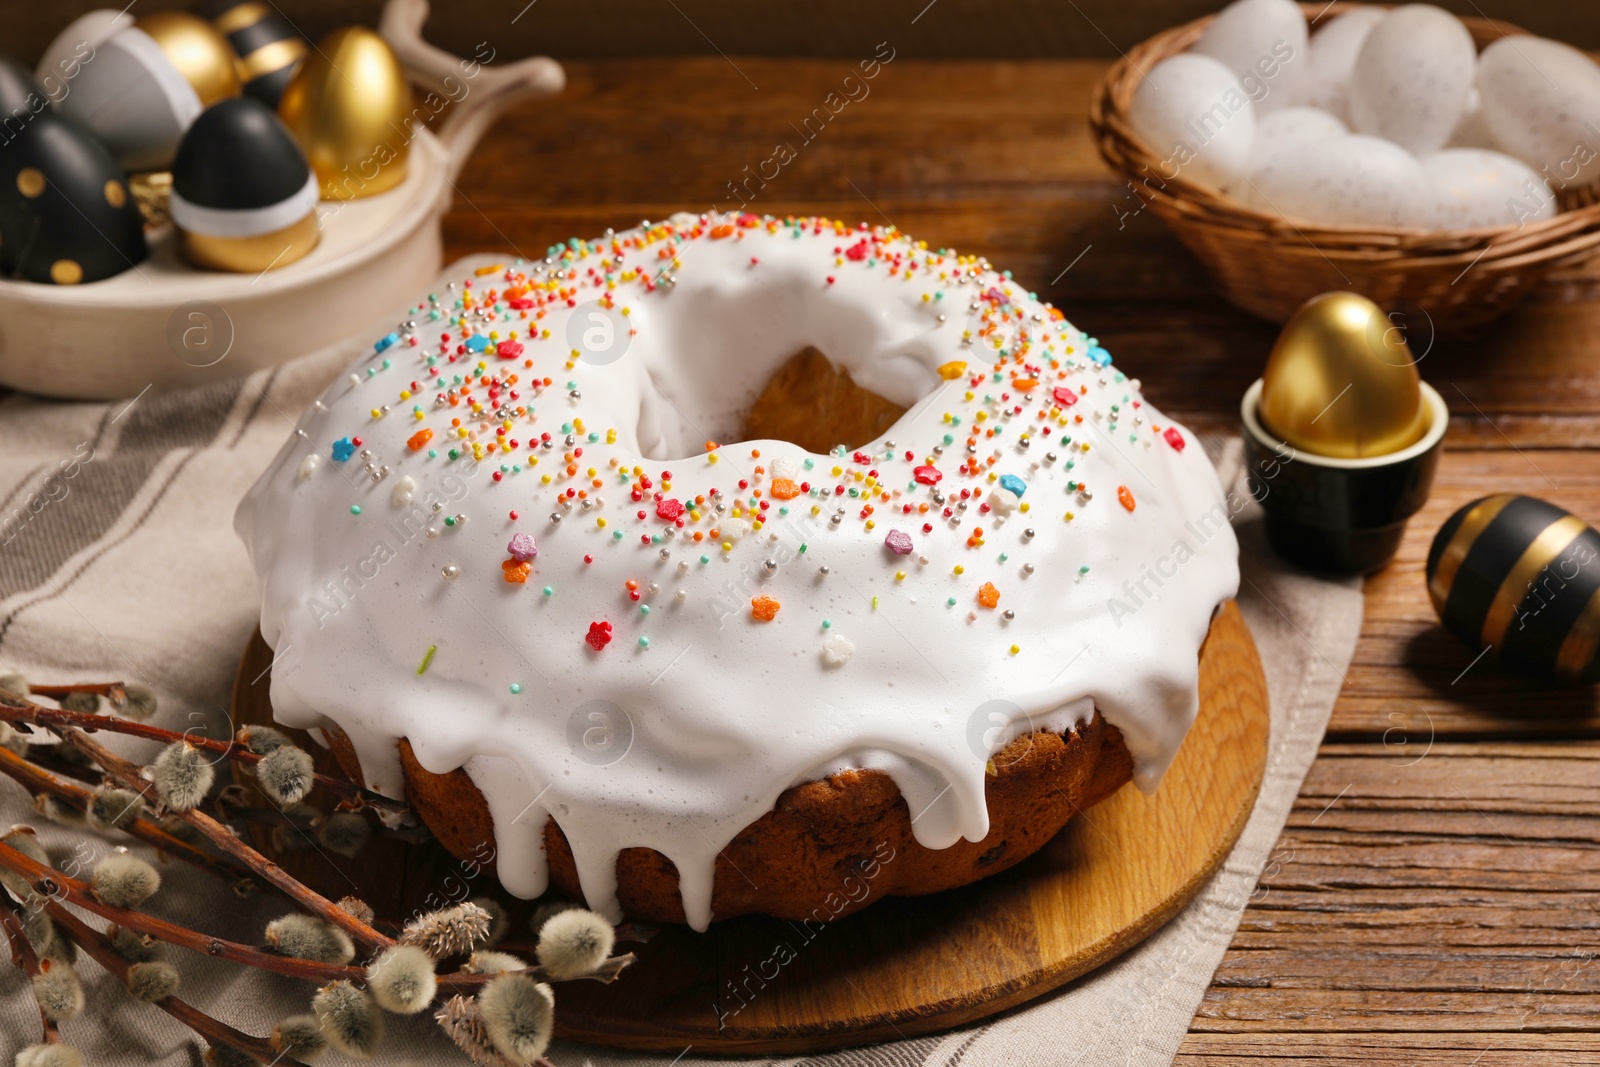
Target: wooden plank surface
1434 897
593 29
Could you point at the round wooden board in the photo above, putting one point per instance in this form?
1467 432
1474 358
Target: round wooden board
906 965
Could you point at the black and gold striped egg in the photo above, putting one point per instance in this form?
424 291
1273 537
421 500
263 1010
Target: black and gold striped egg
1522 576
269 49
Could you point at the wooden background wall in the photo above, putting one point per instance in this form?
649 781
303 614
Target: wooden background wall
991 29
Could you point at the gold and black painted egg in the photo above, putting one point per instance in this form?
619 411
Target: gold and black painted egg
1522 576
243 196
269 49
65 212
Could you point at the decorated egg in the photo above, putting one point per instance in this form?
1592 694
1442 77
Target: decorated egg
1521 576
269 49
349 107
64 59
21 98
1412 77
1264 43
144 84
1190 111
1334 48
1475 187
1541 101
1341 381
243 197
65 212
1342 181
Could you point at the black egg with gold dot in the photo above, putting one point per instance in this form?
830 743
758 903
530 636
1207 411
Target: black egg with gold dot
65 212
21 98
1522 576
243 196
269 49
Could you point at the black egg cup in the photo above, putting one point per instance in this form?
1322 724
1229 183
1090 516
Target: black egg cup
1338 516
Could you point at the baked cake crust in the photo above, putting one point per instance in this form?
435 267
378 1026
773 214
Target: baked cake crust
828 847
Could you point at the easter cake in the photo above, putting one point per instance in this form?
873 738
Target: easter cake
947 589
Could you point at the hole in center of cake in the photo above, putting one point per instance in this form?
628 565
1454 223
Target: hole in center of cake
811 402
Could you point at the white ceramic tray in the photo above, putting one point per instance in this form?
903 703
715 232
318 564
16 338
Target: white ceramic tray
167 324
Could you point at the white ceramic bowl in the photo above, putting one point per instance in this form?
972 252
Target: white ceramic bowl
165 323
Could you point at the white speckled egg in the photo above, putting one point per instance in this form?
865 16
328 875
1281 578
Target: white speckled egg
1334 48
1541 102
1472 131
1412 77
1264 43
1279 137
1342 181
1474 187
1292 124
1192 114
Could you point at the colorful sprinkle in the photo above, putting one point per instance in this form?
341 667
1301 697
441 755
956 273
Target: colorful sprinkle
522 547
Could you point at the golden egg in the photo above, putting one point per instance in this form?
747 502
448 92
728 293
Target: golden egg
349 107
1342 382
199 52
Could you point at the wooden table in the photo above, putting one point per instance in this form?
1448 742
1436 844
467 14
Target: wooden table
1435 897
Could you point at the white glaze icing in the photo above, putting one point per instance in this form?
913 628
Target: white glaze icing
699 732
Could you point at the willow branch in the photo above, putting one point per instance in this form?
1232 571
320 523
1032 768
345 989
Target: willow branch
115 692
37 780
53 884
15 709
23 956
217 1032
126 774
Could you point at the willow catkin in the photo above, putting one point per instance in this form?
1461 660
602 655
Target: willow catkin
574 943
350 1019
401 979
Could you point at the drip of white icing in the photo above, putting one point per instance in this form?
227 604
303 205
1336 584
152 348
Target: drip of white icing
679 745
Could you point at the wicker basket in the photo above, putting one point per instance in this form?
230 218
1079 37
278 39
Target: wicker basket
1269 265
